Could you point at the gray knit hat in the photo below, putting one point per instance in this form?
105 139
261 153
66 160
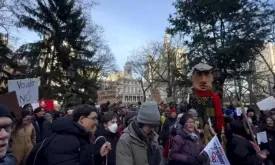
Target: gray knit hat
149 113
193 112
47 115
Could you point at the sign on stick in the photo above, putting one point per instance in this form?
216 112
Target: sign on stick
106 95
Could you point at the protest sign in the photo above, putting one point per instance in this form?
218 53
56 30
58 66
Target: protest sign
155 94
216 153
9 100
239 111
26 90
106 95
262 137
267 104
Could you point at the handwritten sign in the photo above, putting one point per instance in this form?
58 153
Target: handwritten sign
267 104
155 94
26 90
106 95
216 153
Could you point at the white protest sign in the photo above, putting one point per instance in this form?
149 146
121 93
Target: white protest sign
262 137
35 105
239 111
26 90
216 153
267 104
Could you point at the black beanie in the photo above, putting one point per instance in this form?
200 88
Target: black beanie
250 110
4 112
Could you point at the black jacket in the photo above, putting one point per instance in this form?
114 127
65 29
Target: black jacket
71 144
111 138
167 126
38 126
47 130
241 151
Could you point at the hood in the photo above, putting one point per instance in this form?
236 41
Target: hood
68 126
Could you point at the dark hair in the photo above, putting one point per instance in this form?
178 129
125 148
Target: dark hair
184 118
108 117
24 113
83 110
37 110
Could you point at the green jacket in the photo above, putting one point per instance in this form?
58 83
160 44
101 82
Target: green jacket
131 150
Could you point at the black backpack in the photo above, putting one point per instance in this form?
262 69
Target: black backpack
38 155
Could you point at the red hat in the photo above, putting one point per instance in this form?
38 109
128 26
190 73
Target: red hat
173 110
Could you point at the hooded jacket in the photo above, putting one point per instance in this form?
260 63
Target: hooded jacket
71 144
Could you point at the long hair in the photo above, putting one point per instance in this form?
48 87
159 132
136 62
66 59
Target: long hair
19 122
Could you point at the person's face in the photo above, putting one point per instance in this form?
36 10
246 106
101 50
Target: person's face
269 122
27 119
250 114
5 132
173 114
190 125
202 81
89 122
41 113
111 122
148 128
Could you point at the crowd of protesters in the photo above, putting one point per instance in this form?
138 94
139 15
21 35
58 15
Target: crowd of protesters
112 134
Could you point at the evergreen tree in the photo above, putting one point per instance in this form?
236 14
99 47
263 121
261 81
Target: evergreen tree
223 33
60 23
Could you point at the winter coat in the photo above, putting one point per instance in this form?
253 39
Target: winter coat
9 159
184 149
71 144
167 126
131 150
241 151
111 138
47 130
38 126
270 146
22 142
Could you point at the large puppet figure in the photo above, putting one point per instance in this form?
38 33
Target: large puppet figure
206 102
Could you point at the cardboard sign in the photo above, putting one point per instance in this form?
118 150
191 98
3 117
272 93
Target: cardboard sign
216 153
26 90
267 104
9 100
106 95
262 137
155 94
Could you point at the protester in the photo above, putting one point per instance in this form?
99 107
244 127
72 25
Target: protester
166 131
267 125
47 128
252 118
138 145
23 137
240 149
187 145
38 123
107 132
70 145
6 123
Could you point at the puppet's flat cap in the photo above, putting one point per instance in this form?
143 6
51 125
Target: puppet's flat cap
202 67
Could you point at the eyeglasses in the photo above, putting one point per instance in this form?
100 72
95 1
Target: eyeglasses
7 128
92 118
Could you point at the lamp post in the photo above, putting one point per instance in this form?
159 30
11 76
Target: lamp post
70 75
217 75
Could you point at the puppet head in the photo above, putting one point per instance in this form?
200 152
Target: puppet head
202 77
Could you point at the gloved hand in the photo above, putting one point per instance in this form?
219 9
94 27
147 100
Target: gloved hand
201 158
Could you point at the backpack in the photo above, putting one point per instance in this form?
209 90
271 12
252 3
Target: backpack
38 155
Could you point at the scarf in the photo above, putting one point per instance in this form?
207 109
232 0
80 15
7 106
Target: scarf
217 107
191 135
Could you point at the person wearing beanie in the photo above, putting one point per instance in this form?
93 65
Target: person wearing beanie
252 118
187 145
23 137
166 131
139 142
6 123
